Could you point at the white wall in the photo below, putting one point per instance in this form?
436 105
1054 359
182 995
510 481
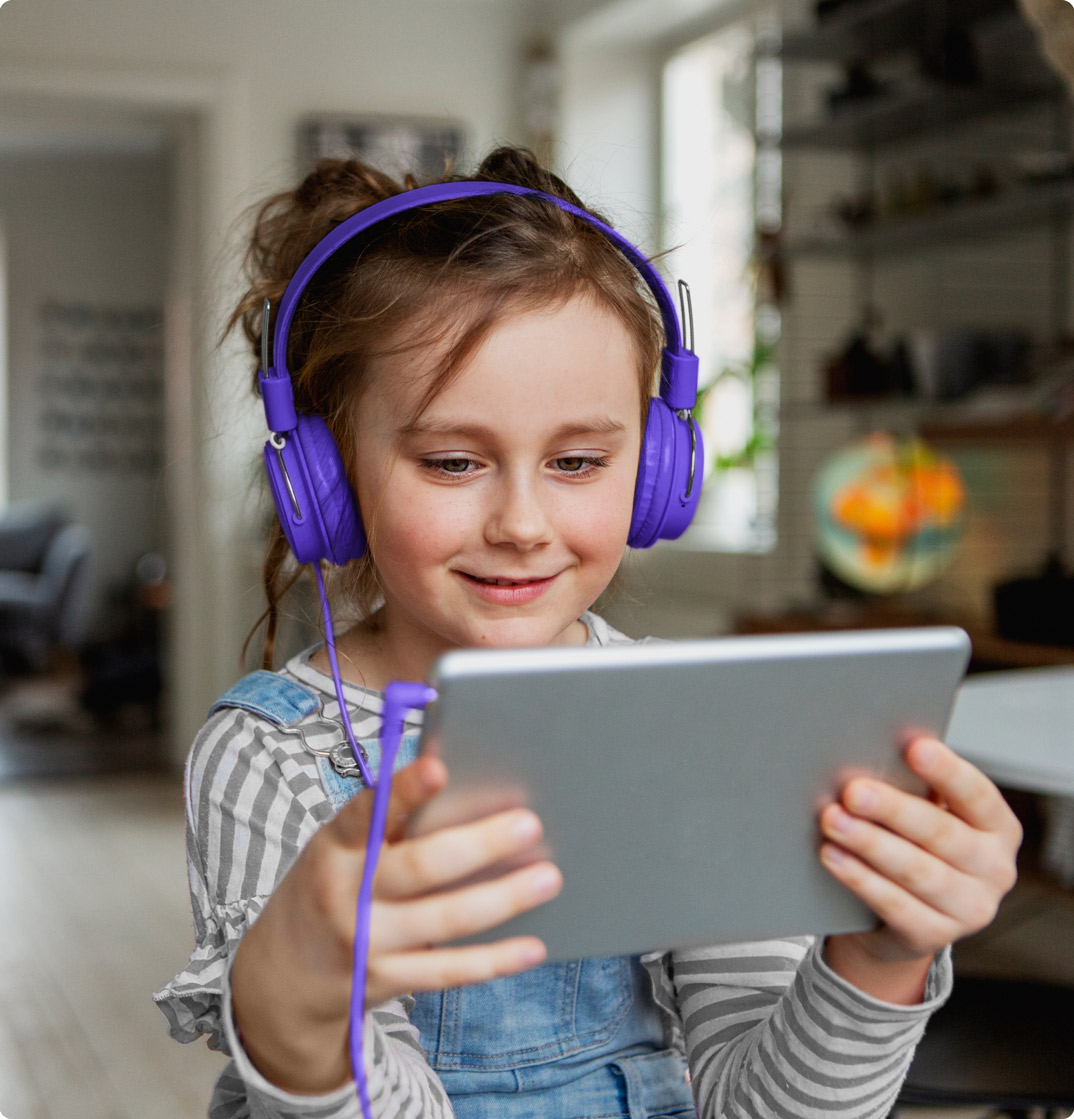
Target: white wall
89 230
233 79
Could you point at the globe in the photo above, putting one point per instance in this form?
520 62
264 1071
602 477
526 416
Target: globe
888 513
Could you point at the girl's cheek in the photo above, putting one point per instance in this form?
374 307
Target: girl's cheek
430 526
601 524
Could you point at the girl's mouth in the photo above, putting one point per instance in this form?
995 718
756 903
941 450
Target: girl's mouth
496 582
507 592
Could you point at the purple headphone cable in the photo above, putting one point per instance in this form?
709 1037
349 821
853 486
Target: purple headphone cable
399 698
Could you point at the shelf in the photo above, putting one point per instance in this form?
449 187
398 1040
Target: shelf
989 649
1008 209
1026 429
916 110
870 29
938 421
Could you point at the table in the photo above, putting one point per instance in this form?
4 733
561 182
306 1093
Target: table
1018 726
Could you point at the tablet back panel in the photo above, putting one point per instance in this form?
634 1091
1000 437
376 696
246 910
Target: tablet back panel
679 783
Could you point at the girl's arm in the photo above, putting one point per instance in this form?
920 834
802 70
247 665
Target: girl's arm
773 1033
291 980
254 805
790 1026
400 1081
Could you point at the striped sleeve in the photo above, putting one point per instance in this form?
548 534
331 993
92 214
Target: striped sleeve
254 799
773 1033
401 1084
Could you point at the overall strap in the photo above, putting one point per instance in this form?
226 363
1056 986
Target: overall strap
271 696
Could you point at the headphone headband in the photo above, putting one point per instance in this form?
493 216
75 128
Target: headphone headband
678 380
311 491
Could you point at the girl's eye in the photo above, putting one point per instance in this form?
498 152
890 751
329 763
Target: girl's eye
579 465
454 466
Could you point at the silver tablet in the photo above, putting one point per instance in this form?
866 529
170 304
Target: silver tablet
679 782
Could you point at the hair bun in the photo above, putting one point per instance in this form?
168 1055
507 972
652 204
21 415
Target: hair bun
343 181
520 167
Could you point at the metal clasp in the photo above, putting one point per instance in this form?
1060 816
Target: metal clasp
279 442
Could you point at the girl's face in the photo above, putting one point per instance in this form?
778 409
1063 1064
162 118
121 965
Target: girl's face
501 513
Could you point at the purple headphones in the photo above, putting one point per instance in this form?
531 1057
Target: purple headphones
313 497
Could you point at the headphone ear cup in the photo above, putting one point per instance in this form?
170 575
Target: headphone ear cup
668 486
313 496
653 441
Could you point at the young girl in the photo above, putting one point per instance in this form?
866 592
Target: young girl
485 366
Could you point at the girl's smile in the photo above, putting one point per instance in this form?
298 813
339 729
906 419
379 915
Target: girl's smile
498 515
508 592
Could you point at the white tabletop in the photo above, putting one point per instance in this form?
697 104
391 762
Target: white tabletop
1018 727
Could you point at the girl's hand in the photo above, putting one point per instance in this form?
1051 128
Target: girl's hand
932 870
291 979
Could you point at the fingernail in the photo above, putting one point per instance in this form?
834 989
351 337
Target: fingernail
430 776
526 827
839 821
832 856
533 954
546 882
861 797
925 752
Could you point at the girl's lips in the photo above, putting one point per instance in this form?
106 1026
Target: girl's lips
508 594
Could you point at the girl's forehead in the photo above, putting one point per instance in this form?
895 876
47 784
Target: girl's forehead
576 358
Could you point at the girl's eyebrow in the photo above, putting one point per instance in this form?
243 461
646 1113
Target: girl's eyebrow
599 425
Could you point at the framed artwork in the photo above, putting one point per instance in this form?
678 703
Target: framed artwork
423 146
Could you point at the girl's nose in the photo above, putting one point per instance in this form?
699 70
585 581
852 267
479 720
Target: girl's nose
517 516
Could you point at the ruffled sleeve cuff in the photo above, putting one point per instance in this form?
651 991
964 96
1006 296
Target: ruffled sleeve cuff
192 1001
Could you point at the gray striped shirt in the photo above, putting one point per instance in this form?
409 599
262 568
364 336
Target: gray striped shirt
768 1029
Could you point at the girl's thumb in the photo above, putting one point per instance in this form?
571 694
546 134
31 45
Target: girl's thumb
412 786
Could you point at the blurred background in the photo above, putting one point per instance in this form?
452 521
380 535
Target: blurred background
872 203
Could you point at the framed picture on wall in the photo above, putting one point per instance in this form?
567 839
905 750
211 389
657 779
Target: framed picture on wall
422 146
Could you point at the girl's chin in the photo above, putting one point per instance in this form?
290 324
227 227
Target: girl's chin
521 633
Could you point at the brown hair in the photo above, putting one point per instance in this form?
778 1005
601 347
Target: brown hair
440 275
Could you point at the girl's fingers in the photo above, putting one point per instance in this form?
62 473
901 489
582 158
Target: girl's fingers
437 968
922 822
412 787
986 852
968 793
430 862
961 897
921 928
440 918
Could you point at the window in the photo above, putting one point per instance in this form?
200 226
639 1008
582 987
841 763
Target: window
5 442
721 187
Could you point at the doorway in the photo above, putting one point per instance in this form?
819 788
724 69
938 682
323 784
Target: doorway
90 201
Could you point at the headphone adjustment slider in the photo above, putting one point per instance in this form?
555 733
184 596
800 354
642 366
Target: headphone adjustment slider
278 442
684 414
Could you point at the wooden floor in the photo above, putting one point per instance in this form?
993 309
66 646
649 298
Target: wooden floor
94 916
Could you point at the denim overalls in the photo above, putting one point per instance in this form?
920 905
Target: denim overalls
581 1039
